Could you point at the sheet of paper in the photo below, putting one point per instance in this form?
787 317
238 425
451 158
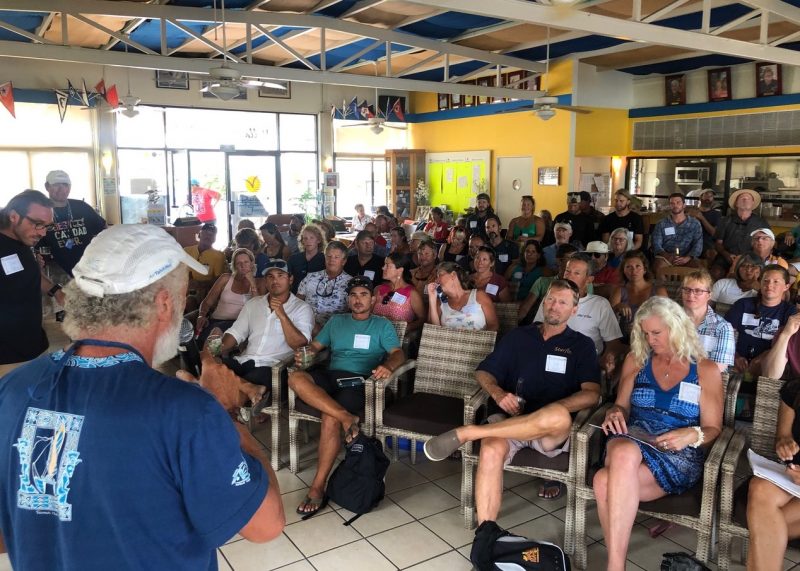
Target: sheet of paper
449 174
638 435
773 472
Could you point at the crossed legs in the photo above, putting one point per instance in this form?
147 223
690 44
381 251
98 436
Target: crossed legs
773 517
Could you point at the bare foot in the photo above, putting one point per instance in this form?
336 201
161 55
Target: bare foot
252 391
351 428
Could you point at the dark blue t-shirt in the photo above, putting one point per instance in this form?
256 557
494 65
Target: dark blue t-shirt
117 466
550 370
757 329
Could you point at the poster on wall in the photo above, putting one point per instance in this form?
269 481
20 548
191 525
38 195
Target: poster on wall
675 89
768 79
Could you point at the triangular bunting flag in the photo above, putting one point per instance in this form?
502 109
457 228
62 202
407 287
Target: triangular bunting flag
352 109
101 88
397 109
7 97
62 98
85 94
111 96
72 92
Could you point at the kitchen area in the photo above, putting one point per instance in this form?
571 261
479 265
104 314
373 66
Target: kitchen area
776 177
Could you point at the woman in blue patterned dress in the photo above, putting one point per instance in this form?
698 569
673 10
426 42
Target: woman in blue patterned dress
669 395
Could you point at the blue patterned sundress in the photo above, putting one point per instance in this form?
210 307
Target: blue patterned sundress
657 411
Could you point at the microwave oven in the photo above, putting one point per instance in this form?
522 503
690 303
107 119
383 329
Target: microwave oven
692 175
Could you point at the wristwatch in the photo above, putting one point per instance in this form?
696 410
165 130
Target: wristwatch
52 291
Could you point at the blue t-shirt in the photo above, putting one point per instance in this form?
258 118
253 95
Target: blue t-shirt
117 466
358 346
757 332
550 370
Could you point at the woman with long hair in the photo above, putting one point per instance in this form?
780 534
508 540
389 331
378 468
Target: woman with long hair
398 299
486 279
637 286
425 272
618 244
436 226
529 268
456 249
310 258
670 397
274 246
400 243
453 302
527 225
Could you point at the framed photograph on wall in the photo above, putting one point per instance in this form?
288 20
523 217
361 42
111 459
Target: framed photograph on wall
456 101
719 84
444 101
469 100
485 82
281 89
549 176
172 79
768 79
675 89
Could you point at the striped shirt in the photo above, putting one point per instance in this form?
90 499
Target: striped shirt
716 336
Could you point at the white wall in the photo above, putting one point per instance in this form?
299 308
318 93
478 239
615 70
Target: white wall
601 88
649 91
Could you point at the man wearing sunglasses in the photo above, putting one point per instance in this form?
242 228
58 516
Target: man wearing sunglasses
23 222
326 290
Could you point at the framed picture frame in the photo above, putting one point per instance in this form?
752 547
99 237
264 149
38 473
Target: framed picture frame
283 92
469 100
331 180
172 79
768 79
675 89
485 82
549 176
719 84
456 100
443 101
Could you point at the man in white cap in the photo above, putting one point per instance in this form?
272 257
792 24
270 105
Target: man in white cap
110 463
604 274
75 223
732 237
563 233
762 242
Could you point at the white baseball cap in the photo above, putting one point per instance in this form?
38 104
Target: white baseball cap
58 177
596 247
566 225
766 231
128 257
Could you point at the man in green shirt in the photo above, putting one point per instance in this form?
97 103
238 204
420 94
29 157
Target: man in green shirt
361 345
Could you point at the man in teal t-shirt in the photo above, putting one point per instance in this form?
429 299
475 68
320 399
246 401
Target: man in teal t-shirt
361 345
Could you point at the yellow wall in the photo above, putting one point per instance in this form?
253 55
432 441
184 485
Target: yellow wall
603 132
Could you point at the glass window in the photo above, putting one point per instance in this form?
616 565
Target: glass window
78 165
39 125
298 132
299 182
144 130
16 175
209 129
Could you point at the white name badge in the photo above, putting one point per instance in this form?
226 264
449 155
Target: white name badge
517 275
750 319
709 342
630 238
11 264
459 257
689 393
369 274
399 298
556 364
473 223
503 257
524 235
492 289
361 341
669 231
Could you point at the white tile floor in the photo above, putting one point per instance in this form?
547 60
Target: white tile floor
419 526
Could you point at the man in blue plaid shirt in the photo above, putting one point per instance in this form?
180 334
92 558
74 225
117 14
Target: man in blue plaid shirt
677 238
715 333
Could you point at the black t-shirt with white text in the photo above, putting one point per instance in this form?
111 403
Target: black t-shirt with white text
73 228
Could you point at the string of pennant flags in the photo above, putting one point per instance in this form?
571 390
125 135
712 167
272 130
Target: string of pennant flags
354 111
84 97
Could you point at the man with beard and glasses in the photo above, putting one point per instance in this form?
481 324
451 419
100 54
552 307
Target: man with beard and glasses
23 222
325 290
361 345
110 463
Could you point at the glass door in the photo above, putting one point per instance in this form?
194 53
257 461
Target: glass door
206 187
253 184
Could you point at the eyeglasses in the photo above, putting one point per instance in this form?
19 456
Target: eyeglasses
694 291
598 255
387 298
38 224
326 290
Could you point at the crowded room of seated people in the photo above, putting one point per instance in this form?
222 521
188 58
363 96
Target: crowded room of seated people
605 389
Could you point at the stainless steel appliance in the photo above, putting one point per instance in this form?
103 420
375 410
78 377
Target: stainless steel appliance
693 175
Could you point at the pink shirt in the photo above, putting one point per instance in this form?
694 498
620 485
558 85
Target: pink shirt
398 307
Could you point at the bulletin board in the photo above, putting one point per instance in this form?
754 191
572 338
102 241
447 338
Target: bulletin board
454 178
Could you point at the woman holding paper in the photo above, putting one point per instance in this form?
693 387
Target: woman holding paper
773 515
670 397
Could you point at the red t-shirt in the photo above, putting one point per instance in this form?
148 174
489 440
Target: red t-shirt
439 230
202 202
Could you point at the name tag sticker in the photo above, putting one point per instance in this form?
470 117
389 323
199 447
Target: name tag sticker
689 393
473 223
11 264
525 235
369 274
492 289
630 238
361 341
503 257
517 275
750 319
669 231
399 298
709 342
459 257
556 364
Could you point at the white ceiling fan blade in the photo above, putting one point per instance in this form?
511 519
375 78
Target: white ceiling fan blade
262 83
572 109
399 127
364 124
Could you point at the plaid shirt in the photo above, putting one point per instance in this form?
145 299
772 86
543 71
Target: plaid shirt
687 236
716 336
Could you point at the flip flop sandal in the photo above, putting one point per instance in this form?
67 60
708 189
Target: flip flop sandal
254 415
549 484
316 503
352 431
659 528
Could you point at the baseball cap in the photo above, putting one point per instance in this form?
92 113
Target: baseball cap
58 177
573 199
483 196
566 225
420 235
766 231
596 247
195 182
585 196
275 264
129 257
359 281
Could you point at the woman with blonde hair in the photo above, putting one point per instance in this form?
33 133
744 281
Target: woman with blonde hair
310 258
670 399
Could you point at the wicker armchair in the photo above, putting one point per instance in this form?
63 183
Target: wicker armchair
508 316
443 385
273 410
298 410
695 509
733 505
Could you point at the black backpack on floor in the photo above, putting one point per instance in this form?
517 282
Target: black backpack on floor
357 482
494 548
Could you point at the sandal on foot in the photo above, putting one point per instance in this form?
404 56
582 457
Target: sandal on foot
352 431
442 446
253 415
315 503
550 485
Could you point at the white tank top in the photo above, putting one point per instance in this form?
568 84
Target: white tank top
468 317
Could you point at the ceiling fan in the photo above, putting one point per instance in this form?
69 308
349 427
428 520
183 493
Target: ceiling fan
376 124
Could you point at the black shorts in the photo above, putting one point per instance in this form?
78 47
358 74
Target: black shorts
249 372
351 398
